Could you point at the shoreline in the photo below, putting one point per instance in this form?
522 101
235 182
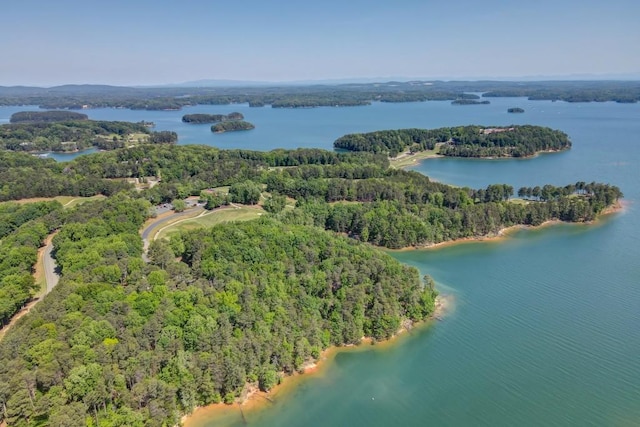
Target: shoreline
503 233
405 159
252 399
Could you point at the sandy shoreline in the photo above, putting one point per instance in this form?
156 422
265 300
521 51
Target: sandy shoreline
252 399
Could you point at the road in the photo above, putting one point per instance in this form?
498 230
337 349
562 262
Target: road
163 221
51 276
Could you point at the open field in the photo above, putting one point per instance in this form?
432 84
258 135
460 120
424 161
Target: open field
209 219
66 201
406 159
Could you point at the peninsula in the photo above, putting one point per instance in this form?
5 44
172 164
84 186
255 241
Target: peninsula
461 141
44 132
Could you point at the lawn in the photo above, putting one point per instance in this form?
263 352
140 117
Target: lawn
405 159
209 219
66 201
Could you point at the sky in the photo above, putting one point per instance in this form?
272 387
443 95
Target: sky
144 42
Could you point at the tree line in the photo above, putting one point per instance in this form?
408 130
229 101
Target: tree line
77 97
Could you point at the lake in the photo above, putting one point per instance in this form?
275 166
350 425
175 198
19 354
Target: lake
545 328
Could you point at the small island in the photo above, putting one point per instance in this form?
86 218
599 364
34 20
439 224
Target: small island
46 116
232 126
211 118
469 102
515 110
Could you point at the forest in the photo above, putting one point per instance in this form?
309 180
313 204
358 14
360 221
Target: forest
121 341
21 236
69 136
461 141
24 176
575 91
406 209
231 126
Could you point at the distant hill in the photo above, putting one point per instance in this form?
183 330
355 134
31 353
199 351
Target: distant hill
305 95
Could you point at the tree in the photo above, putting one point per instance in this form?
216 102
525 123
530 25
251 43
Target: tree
247 192
179 205
275 204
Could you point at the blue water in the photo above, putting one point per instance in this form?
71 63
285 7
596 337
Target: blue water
545 328
319 127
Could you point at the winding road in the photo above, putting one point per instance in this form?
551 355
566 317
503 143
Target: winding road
162 221
51 277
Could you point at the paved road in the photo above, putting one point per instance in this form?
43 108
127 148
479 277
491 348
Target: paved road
163 221
158 224
51 277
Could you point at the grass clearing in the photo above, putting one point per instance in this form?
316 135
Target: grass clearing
223 191
209 219
405 159
75 201
66 201
187 215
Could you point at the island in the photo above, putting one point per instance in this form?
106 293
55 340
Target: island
232 126
515 110
469 102
211 118
46 135
46 116
209 312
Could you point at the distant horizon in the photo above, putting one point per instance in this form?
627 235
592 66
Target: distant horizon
229 82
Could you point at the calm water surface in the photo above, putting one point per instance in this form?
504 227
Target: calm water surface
545 328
